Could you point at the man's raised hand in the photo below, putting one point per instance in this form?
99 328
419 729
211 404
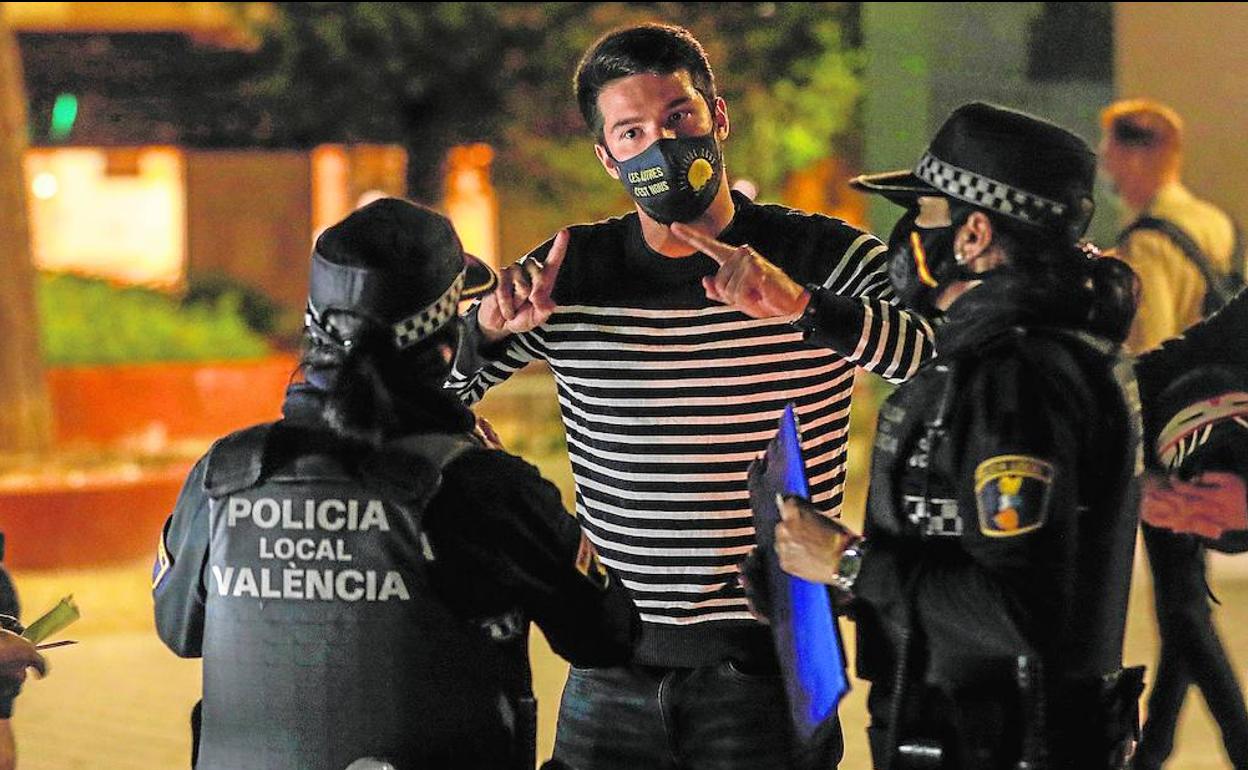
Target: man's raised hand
745 279
522 301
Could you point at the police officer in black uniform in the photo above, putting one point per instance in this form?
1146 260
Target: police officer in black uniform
990 589
360 575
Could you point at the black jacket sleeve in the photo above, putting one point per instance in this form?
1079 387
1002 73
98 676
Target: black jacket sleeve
177 574
501 536
1222 338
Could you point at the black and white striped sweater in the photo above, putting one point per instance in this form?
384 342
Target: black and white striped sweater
667 396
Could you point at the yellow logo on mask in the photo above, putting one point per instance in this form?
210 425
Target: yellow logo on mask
700 172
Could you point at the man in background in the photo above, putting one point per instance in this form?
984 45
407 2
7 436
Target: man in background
1185 251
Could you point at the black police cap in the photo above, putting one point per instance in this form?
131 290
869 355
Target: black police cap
1004 161
398 264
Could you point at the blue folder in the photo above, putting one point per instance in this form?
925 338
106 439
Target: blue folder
803 622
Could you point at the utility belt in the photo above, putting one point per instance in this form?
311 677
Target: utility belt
1090 724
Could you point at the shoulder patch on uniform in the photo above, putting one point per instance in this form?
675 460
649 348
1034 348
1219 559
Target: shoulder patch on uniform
1012 493
589 565
162 564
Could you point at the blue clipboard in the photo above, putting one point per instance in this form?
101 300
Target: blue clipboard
803 622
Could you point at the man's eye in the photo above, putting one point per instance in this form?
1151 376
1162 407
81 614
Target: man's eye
630 134
677 117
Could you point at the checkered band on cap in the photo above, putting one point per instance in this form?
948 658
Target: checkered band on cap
987 193
417 327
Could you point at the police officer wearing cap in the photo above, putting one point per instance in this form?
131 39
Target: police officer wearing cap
359 576
990 588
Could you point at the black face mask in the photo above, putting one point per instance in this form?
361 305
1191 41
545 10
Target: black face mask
920 259
674 180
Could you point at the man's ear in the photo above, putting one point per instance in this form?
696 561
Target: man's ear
605 159
720 117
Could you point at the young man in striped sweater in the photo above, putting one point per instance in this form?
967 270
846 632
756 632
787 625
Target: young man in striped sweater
673 366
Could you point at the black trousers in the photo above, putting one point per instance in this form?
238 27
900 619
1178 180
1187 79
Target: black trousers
1191 653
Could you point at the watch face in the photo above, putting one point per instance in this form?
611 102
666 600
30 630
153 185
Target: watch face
851 560
847 569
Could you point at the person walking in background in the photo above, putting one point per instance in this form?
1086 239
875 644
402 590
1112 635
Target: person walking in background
1186 252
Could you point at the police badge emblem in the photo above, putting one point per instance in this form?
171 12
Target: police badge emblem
1012 493
163 562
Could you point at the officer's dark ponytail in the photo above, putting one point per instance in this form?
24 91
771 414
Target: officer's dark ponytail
1105 285
369 385
1114 295
365 379
357 402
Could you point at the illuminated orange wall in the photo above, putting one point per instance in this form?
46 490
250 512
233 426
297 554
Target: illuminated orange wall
345 177
471 201
215 23
116 212
154 215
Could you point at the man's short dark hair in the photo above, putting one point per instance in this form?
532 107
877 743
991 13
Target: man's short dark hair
1143 123
1129 133
659 49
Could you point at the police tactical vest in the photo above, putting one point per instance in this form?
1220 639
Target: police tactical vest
916 473
1073 703
322 640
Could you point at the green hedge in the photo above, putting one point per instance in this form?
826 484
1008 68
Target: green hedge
92 321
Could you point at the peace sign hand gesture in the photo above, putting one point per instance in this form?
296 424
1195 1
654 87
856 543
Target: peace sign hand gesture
521 301
746 280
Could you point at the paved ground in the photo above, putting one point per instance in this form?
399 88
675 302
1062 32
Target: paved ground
119 700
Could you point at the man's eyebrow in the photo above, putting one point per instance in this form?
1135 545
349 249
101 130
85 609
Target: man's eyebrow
623 122
677 102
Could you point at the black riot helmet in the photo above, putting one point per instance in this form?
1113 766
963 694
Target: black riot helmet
1199 423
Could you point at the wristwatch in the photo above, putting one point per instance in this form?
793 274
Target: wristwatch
849 565
805 321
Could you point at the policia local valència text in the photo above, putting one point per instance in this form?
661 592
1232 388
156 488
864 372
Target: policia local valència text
292 582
